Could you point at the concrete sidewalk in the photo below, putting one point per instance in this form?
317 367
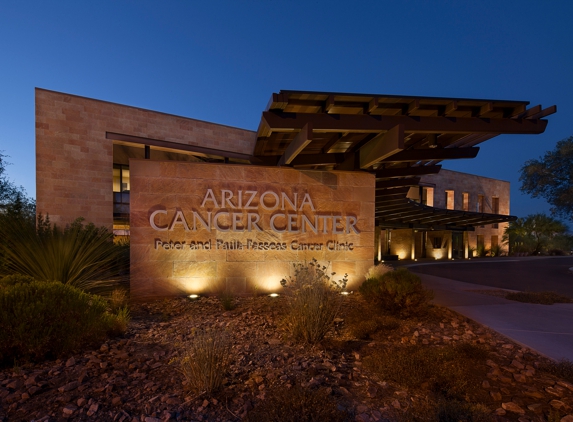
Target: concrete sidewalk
548 329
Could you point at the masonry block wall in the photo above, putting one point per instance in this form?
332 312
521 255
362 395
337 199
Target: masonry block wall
473 185
74 159
176 257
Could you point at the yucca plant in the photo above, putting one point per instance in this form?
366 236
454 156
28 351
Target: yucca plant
81 255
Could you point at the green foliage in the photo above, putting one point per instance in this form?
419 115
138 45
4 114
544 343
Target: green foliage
81 255
452 372
14 206
12 279
398 292
535 234
496 250
482 251
48 319
207 360
551 177
314 301
543 298
297 404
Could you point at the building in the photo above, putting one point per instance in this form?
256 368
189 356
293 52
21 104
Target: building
330 176
454 194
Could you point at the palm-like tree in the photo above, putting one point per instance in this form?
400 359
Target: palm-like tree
533 233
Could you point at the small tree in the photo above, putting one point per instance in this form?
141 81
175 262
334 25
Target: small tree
551 177
534 233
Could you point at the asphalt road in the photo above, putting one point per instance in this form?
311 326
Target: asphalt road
526 274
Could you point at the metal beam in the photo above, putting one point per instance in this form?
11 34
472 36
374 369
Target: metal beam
300 141
382 146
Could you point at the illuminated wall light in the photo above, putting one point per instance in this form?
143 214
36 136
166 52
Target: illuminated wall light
344 293
194 297
274 295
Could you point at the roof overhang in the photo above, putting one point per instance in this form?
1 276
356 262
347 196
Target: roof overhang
397 138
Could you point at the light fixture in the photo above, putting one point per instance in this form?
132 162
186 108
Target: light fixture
345 293
194 297
274 295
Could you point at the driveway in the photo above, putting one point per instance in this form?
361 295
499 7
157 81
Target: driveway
526 274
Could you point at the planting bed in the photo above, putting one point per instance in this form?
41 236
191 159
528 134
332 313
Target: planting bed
136 377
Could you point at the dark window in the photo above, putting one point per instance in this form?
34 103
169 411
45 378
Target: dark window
437 242
121 187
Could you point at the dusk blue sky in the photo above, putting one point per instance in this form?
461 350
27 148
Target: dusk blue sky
220 61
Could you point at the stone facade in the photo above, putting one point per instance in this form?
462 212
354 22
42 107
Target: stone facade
482 194
74 159
181 255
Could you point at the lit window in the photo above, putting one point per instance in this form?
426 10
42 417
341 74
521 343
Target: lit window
449 199
466 201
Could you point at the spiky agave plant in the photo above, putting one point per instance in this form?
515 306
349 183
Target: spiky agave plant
81 255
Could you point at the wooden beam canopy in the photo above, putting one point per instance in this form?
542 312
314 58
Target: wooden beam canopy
301 140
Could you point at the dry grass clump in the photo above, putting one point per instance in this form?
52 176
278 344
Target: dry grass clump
118 299
207 360
377 271
452 372
543 298
297 404
314 301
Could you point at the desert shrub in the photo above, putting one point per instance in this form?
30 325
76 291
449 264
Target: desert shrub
81 255
452 372
562 369
482 251
48 319
314 301
496 250
377 271
398 292
297 404
543 298
207 360
12 279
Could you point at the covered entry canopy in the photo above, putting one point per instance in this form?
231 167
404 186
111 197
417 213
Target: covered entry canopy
398 138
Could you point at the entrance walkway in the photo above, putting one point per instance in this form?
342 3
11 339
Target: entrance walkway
547 329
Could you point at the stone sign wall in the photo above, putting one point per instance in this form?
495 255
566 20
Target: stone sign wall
206 228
